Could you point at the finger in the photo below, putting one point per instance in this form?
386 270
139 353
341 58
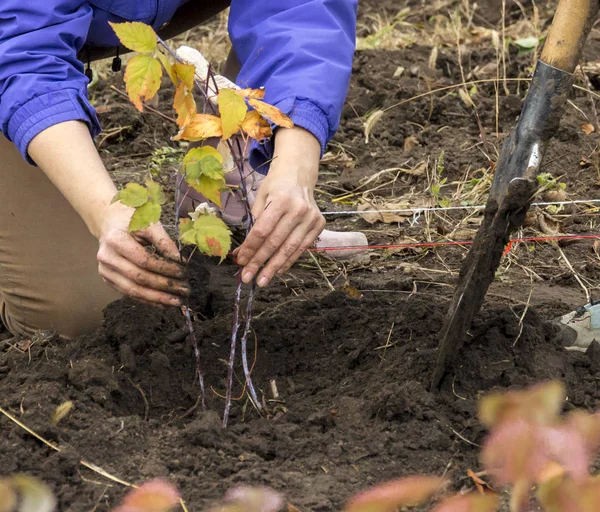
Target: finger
165 246
269 247
146 278
284 253
260 232
304 246
130 289
133 251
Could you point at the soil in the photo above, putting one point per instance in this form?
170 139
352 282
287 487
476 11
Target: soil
352 405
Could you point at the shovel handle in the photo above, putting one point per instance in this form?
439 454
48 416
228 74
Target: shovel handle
570 28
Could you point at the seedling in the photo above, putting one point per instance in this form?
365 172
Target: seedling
228 115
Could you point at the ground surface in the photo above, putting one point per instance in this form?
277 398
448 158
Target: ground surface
352 374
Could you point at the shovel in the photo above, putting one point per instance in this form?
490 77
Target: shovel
515 183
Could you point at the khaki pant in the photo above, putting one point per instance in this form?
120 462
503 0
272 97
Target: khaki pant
48 270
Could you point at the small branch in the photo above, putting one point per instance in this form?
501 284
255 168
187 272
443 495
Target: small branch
150 109
244 343
231 363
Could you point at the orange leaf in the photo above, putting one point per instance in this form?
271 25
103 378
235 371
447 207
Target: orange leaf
184 104
202 126
588 128
142 79
185 73
153 496
271 113
256 126
233 110
469 503
409 491
258 94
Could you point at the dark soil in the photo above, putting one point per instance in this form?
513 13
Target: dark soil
352 375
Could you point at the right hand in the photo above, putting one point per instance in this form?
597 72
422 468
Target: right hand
125 264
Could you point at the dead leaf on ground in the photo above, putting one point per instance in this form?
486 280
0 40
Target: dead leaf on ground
61 411
548 224
410 143
388 212
351 291
588 128
370 122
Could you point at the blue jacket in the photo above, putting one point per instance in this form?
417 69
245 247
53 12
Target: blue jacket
299 50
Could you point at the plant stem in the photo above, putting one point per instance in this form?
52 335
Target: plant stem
237 154
244 344
234 333
186 308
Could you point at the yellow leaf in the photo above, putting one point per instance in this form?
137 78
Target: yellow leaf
232 108
271 113
209 188
184 105
142 78
168 67
202 126
185 73
61 411
258 94
136 36
256 126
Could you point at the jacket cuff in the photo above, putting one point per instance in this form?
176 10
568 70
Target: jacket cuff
305 114
47 110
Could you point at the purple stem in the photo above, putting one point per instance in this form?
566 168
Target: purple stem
239 162
244 343
234 333
186 307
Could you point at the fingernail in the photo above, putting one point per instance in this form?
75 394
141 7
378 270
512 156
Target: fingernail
263 281
247 277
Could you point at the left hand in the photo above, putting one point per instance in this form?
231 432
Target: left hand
287 219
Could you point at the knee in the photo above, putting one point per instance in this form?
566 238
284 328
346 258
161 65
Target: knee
69 317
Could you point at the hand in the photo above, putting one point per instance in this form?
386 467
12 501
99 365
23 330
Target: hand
287 219
128 266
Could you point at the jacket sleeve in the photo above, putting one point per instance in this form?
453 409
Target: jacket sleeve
41 81
301 51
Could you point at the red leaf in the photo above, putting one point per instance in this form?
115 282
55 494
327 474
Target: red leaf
409 491
153 496
469 503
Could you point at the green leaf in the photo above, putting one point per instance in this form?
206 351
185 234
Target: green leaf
35 495
133 195
212 236
145 215
136 36
527 43
155 192
187 234
212 167
209 188
197 154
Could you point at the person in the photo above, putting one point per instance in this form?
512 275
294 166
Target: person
65 250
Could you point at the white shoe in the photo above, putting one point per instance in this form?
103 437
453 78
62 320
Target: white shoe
580 328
